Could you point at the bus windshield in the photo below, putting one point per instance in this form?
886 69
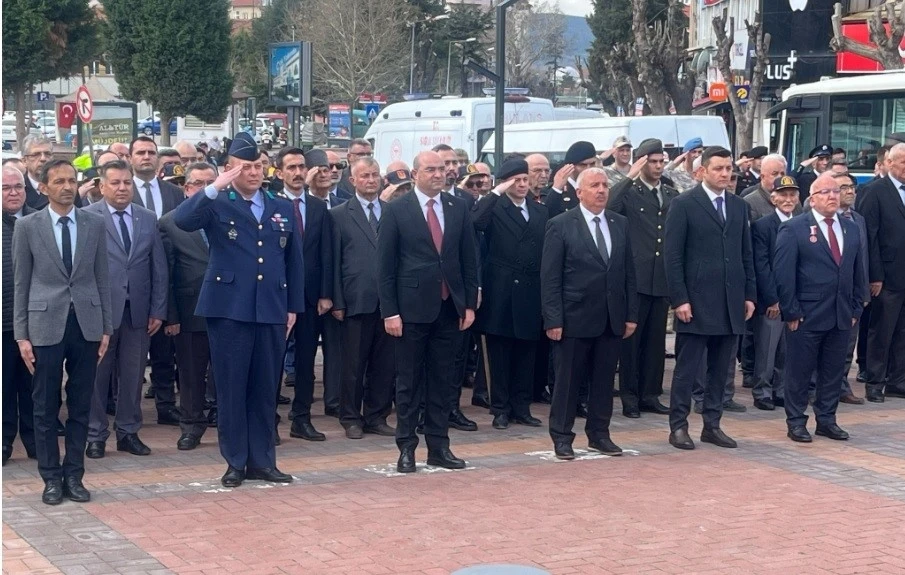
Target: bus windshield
860 124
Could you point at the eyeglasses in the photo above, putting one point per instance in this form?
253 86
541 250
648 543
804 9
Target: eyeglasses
199 183
40 155
846 188
339 166
475 183
14 188
835 192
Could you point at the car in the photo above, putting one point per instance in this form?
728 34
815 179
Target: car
9 130
38 114
48 127
150 126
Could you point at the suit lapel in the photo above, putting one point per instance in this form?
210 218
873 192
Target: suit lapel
111 226
821 239
450 217
81 241
646 195
50 240
895 196
358 216
615 238
138 223
702 198
585 233
417 216
515 214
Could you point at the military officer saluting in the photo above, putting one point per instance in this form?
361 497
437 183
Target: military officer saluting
252 290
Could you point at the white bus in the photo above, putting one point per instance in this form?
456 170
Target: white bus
854 113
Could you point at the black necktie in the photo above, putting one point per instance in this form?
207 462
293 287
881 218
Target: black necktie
372 218
149 194
124 230
719 210
67 245
601 241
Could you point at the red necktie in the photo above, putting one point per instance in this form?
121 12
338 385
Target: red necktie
433 224
834 243
298 216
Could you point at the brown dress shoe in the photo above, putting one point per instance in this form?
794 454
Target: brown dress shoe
852 399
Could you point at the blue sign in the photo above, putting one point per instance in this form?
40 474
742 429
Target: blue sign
743 92
371 111
42 96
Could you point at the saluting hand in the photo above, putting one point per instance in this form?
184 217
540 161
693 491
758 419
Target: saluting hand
635 170
562 176
226 178
387 194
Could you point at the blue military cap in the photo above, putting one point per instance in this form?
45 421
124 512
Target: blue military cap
821 151
244 147
693 144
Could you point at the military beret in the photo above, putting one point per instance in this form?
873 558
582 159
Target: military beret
693 144
174 173
515 167
316 159
757 152
399 177
244 147
621 142
821 151
785 183
579 152
648 147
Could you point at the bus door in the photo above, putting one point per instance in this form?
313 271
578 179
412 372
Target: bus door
802 135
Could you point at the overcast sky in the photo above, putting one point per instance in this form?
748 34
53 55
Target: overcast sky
575 7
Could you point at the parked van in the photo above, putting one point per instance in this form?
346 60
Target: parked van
194 130
554 138
401 131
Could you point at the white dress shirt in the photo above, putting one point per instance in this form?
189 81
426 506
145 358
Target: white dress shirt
438 208
364 205
128 218
782 216
34 184
523 208
592 227
303 204
899 187
837 228
58 230
155 192
713 196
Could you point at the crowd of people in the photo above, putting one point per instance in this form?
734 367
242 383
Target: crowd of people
416 281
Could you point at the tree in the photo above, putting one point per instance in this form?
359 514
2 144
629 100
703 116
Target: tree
535 34
43 41
884 47
159 57
744 113
660 51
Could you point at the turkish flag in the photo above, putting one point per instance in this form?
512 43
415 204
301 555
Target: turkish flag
65 115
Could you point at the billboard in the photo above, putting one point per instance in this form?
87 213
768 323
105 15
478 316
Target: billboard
339 121
289 74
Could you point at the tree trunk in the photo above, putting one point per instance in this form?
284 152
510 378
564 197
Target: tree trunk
19 93
165 129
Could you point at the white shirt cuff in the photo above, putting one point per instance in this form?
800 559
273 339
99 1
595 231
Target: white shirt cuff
211 192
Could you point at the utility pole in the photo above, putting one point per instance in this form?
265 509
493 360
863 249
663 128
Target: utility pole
500 108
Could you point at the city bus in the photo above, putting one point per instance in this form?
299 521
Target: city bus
853 113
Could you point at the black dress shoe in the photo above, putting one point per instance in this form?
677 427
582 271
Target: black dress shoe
862 376
764 404
457 420
132 444
271 474
53 492
500 421
95 450
779 402
212 417
582 411
444 458
379 429
187 442
605 446
283 400
563 450
654 407
832 431
331 412
528 420
631 412
734 406
233 477
406 463
545 397
874 393
799 434
894 391
169 417
75 491
680 439
150 393
480 400
304 430
7 453
717 437
354 432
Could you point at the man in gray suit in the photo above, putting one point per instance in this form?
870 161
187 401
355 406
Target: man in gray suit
138 292
62 314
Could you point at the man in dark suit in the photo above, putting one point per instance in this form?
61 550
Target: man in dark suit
820 281
367 349
428 291
37 151
18 410
313 225
253 288
160 197
590 302
187 259
513 233
644 199
358 148
884 213
139 282
561 196
61 316
769 338
710 275
818 162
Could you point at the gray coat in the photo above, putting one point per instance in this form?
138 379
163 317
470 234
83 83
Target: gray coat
43 289
142 273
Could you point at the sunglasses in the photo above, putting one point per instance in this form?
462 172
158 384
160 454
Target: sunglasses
475 183
339 166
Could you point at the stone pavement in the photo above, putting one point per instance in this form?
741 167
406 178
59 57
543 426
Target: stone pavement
770 506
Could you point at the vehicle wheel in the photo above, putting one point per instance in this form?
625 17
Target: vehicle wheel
149 131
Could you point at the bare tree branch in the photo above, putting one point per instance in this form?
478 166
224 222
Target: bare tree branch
885 47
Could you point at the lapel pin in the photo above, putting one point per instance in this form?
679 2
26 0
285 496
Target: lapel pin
449 203
567 199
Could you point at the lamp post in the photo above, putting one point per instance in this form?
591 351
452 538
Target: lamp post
501 82
412 54
449 56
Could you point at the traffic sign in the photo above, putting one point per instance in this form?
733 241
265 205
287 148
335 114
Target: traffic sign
83 104
371 111
42 96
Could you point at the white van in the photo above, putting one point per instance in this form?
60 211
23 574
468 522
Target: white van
401 131
554 138
195 131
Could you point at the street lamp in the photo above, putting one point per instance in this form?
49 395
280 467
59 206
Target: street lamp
499 102
412 56
449 56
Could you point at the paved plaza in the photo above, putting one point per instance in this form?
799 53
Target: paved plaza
770 506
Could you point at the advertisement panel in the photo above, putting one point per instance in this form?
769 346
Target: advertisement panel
289 74
339 121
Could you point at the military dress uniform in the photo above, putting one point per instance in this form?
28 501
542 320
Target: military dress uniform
254 279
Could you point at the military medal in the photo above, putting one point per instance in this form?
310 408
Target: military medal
232 233
813 234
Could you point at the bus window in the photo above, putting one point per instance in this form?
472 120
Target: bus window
860 123
801 139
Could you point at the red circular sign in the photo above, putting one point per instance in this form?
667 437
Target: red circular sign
84 106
